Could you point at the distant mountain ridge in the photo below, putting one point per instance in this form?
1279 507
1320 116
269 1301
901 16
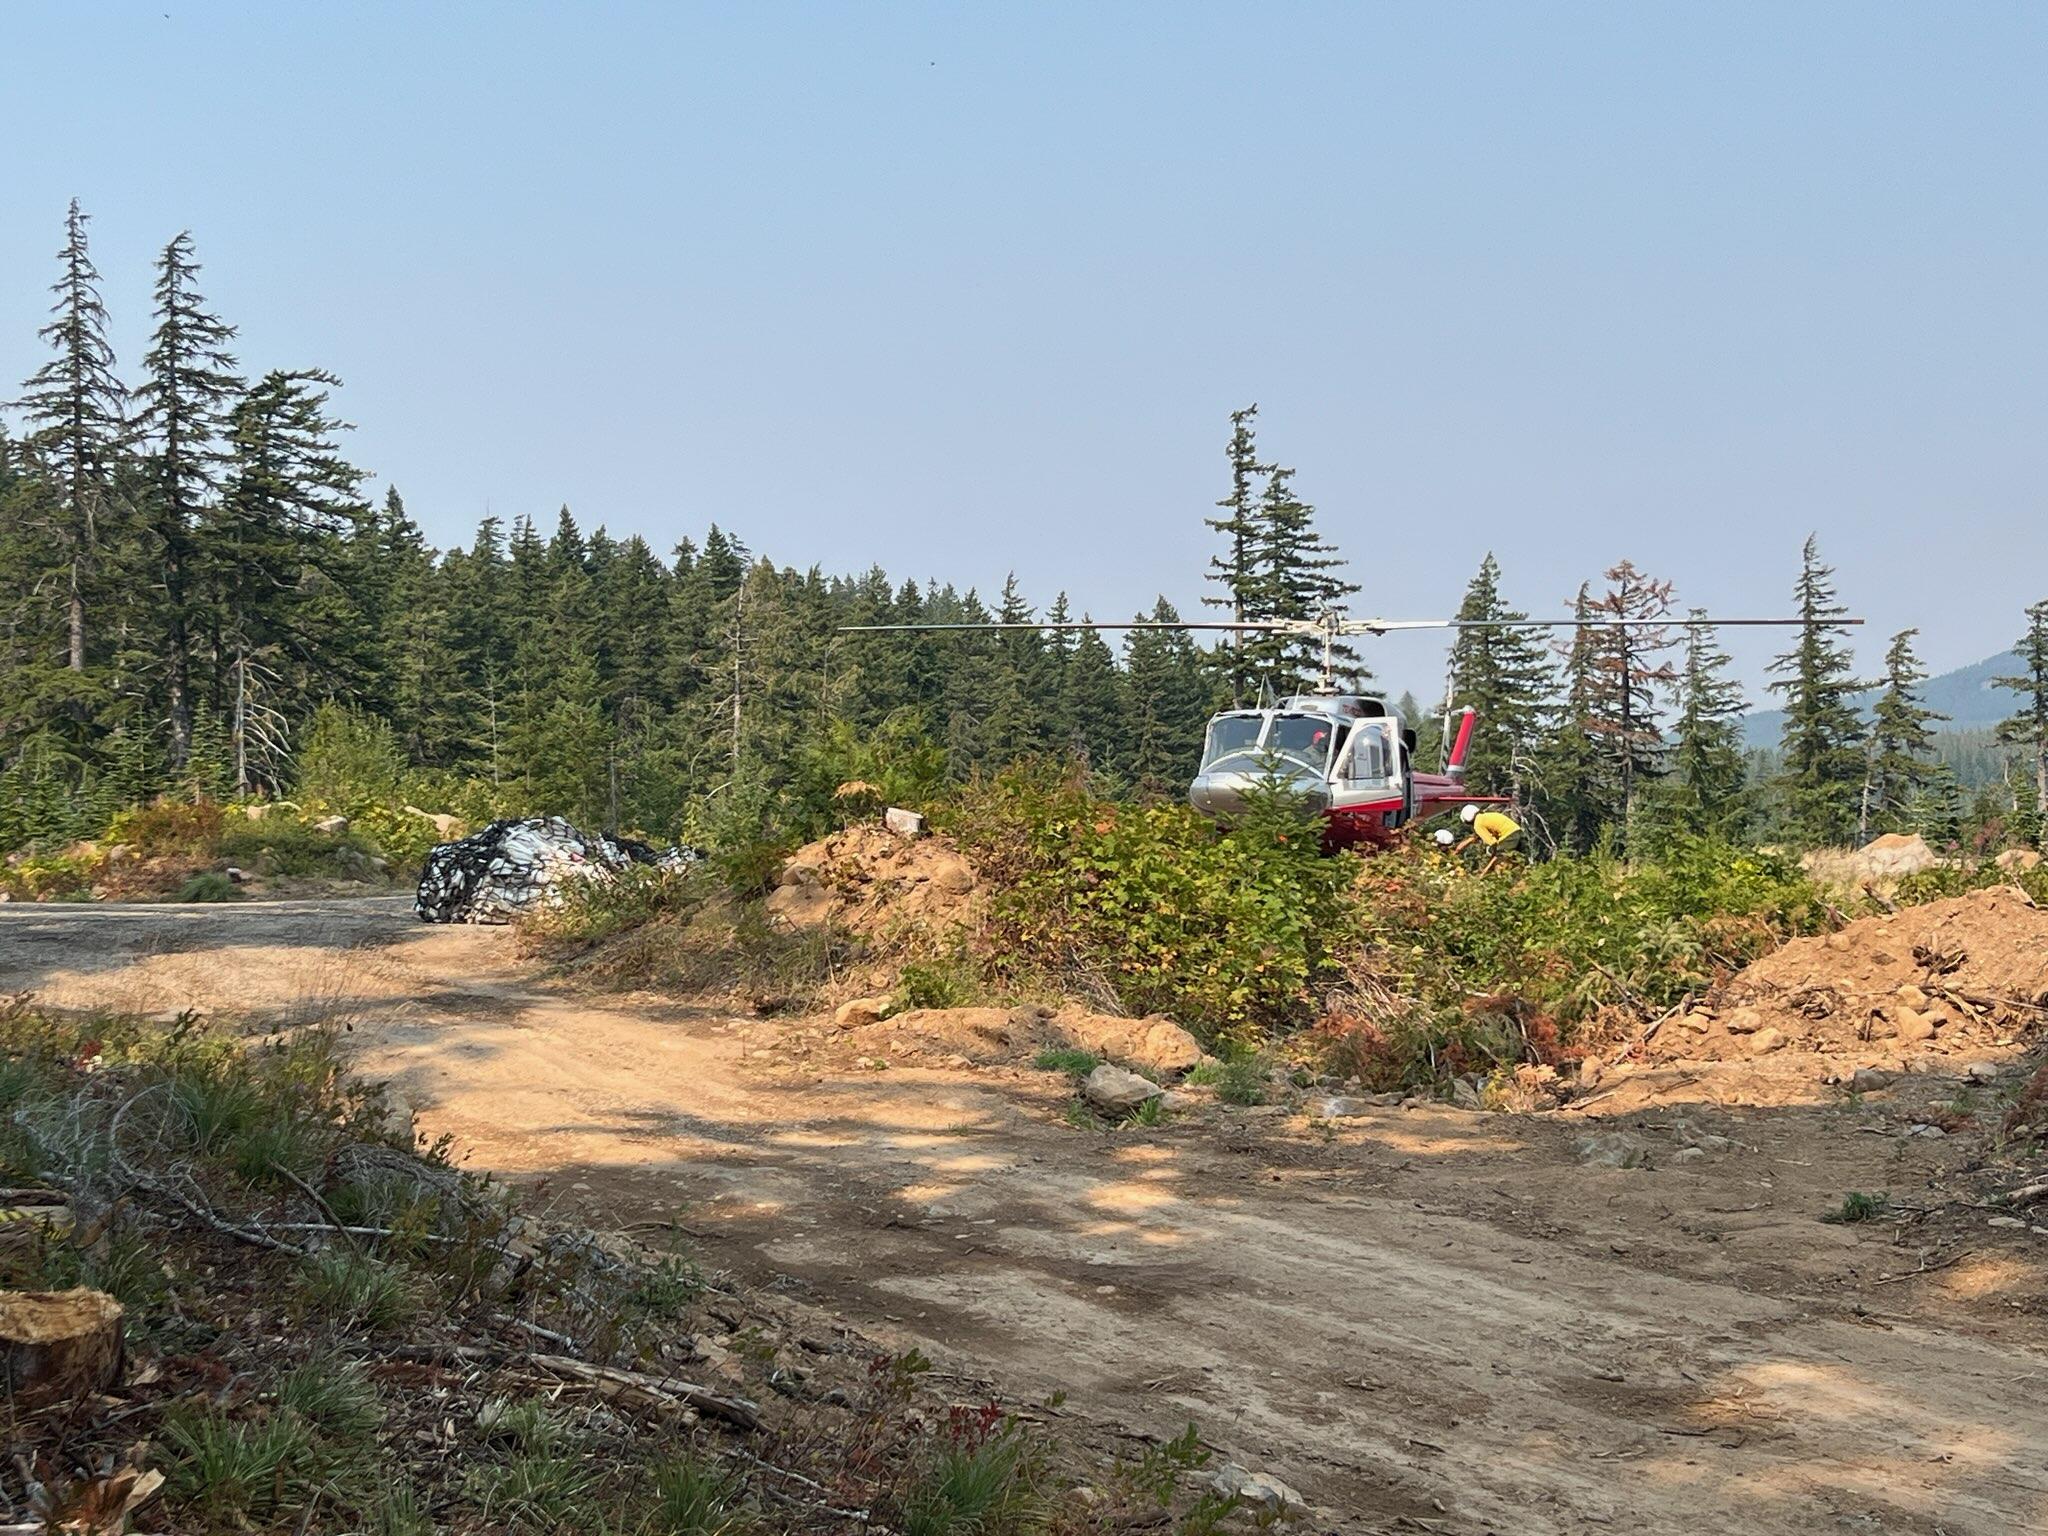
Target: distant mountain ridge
1964 695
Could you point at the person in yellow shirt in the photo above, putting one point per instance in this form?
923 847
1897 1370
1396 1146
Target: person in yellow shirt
1495 831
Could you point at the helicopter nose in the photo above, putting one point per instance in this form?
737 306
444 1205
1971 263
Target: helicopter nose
1222 796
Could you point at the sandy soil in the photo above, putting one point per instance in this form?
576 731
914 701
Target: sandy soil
1423 1319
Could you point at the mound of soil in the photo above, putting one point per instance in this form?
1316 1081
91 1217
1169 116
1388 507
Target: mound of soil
1015 1036
869 882
1949 977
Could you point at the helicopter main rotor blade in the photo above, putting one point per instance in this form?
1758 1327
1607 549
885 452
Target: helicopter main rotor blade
1384 626
1268 625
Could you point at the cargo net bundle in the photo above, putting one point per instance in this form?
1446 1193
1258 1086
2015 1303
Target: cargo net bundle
510 866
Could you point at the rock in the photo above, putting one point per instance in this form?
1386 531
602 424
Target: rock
953 877
799 906
235 874
1933 1132
331 826
1155 1044
1591 1070
1117 1092
861 1010
1173 1099
58 1346
1613 1149
1743 1021
446 827
1893 856
905 824
1257 1489
1764 1041
1689 1154
2013 860
2005 1221
1911 996
1915 1027
1871 1080
1466 1094
1338 1107
1982 1071
120 853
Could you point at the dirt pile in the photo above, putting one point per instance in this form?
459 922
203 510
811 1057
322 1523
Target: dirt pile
1015 1036
870 882
1946 978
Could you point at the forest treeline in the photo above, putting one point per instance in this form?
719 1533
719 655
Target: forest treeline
192 569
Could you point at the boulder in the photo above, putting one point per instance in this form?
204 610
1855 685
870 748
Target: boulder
953 877
331 826
1156 1044
1914 1027
905 824
2014 860
1895 855
859 1011
446 827
1981 1071
1257 1490
803 904
1613 1149
1117 1092
1871 1080
1764 1041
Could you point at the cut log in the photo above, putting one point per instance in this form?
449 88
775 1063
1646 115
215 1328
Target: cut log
58 1346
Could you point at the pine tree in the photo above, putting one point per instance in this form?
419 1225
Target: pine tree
1625 674
1094 703
1822 770
74 408
1236 569
273 554
1901 753
189 386
1295 577
2027 728
1706 754
1504 676
1577 794
1166 702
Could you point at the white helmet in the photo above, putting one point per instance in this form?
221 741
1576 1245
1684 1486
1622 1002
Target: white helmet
1443 837
1470 814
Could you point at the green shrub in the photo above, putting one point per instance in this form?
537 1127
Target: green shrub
589 910
953 982
349 759
694 1498
211 886
1227 929
359 1291
1076 1064
166 827
1857 1206
237 1471
283 845
979 1487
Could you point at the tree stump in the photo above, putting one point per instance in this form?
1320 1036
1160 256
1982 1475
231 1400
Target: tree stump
58 1346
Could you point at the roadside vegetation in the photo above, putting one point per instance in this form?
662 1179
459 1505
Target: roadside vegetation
329 1327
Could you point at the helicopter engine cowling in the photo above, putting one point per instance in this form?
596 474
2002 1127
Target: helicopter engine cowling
1223 794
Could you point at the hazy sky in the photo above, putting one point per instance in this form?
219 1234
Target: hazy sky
964 289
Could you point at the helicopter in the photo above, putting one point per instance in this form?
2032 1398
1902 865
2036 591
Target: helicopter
1350 756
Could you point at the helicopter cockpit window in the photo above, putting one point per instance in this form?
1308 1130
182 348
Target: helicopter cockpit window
1303 738
1232 736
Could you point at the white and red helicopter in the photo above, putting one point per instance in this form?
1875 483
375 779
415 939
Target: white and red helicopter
1349 755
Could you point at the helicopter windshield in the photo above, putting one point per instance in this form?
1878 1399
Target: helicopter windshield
1232 736
1304 739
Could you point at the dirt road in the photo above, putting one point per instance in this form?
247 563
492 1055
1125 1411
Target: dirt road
1425 1320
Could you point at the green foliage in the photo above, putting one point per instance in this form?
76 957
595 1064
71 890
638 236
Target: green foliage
334 1396
979 1487
1857 1206
694 1498
359 1292
1226 929
164 828
1075 1063
236 1470
1502 962
211 886
951 981
589 910
350 760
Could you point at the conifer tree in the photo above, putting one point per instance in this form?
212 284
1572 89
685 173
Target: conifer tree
2027 728
1504 676
1166 703
189 386
1820 749
1625 674
74 408
1236 569
1576 792
272 554
1706 753
1295 577
1094 704
1901 752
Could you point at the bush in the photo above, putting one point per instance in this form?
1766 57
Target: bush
349 760
284 845
167 827
208 887
588 910
1228 930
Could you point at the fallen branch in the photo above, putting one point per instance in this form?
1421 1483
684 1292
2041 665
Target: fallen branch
1925 1269
2024 1193
733 1410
